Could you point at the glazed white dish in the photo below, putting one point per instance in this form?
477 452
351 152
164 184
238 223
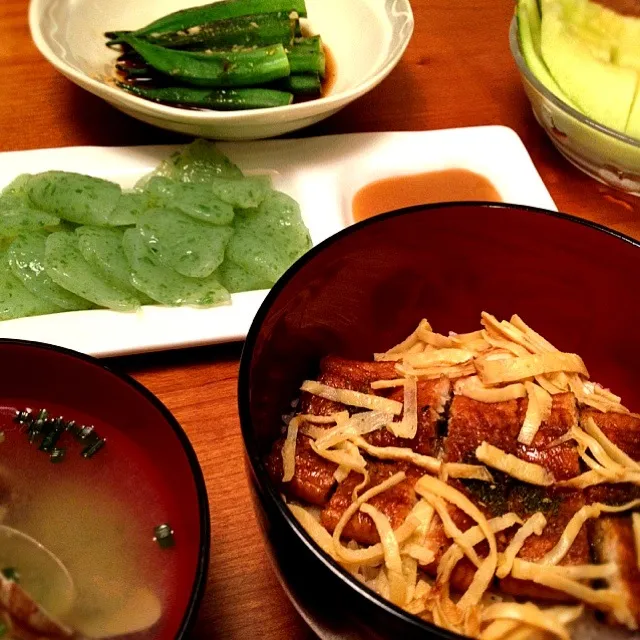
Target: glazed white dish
366 38
322 174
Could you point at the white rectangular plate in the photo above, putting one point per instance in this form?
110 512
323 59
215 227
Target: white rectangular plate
322 174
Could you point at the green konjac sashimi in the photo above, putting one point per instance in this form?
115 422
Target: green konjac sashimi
191 232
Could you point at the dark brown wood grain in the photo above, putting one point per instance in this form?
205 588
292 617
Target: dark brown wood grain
457 72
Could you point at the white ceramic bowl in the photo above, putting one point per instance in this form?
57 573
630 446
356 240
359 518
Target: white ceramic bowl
366 37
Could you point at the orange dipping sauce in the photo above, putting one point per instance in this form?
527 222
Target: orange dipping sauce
450 185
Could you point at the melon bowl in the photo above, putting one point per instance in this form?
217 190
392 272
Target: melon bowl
606 155
365 289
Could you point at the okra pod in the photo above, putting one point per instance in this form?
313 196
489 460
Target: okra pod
194 16
245 31
136 72
133 66
307 58
245 67
303 84
309 44
217 99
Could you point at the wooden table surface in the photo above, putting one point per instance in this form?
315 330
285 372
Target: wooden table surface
457 71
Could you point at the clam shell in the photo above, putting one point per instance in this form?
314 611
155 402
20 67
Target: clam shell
21 608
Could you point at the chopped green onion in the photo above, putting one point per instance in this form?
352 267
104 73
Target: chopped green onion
49 431
164 536
57 455
11 574
24 416
54 431
92 449
82 433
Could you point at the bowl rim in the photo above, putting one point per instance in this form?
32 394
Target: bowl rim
298 111
255 461
516 52
202 568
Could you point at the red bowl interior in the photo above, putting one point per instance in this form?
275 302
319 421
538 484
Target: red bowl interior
365 289
36 375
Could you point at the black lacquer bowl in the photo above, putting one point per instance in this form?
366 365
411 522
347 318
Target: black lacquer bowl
365 289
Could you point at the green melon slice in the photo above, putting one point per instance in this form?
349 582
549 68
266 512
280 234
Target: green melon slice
633 124
528 20
604 92
608 34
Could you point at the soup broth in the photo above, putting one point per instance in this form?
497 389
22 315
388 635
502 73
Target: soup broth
98 517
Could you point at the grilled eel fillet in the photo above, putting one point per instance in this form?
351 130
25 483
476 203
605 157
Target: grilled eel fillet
313 479
472 422
612 536
469 423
